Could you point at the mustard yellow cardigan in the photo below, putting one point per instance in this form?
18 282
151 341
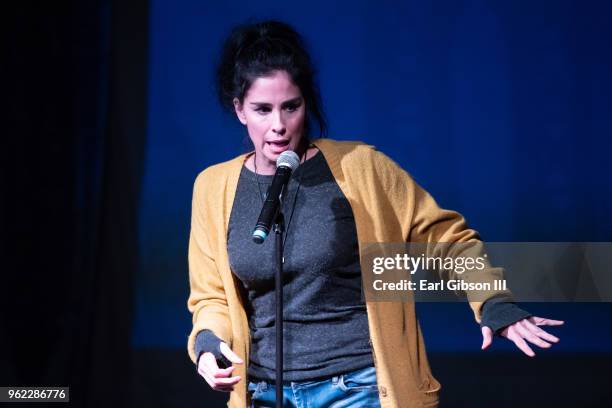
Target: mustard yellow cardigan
388 206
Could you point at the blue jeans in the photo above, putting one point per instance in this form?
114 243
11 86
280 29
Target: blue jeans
354 389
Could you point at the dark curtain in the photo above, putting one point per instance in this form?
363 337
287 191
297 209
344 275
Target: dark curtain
72 155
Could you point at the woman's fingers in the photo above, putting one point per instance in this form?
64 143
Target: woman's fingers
527 329
220 382
216 383
527 334
211 366
511 333
217 378
487 337
221 372
540 321
231 356
539 332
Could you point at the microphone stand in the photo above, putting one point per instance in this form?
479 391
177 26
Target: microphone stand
279 229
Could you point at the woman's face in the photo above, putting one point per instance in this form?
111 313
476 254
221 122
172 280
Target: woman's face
274 114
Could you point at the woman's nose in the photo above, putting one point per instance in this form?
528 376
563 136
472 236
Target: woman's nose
278 125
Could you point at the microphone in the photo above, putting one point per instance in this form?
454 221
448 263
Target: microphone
286 163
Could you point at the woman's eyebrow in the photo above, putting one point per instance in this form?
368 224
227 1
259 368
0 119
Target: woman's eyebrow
287 102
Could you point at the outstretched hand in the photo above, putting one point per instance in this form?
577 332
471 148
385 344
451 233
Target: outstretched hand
526 329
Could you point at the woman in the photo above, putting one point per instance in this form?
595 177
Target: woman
339 350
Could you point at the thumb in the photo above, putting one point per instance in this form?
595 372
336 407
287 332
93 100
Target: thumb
231 356
487 337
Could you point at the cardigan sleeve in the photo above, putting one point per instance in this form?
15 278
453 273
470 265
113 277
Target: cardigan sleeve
207 301
434 225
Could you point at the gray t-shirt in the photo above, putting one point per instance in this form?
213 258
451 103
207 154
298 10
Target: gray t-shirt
325 320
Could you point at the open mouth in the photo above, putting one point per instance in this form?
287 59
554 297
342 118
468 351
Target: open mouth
280 143
278 146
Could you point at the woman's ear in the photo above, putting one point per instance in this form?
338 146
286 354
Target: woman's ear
239 109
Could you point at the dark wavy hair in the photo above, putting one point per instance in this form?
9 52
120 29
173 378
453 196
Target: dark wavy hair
256 50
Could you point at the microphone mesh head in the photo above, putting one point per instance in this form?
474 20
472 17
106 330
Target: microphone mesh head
289 159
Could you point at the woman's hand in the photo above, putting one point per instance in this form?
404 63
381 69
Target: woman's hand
219 378
526 329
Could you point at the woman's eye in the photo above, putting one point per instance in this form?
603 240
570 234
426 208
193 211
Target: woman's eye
263 110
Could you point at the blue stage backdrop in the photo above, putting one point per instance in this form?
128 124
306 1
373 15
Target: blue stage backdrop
501 109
